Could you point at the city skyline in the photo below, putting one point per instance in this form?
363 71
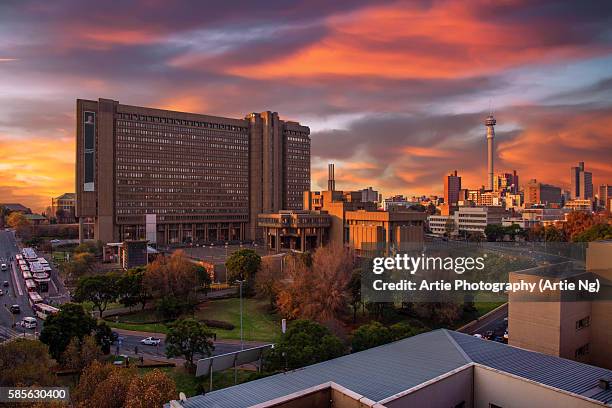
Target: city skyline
394 102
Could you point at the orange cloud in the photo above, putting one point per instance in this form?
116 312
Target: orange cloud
405 41
33 171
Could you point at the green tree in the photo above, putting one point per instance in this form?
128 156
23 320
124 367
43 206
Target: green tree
553 234
71 321
596 232
494 232
243 265
203 278
170 307
370 335
304 343
449 227
354 288
131 289
25 362
187 338
99 290
79 265
104 337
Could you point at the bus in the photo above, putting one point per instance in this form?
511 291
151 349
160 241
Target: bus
43 310
30 285
34 298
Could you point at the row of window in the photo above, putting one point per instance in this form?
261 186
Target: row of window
172 121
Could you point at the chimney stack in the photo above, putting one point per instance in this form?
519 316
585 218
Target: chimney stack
331 180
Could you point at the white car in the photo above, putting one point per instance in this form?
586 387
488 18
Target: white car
150 341
3 267
29 322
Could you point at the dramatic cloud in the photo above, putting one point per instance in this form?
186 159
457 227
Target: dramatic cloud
395 92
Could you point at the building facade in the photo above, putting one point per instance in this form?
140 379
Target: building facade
582 183
540 193
63 208
604 195
452 186
295 230
173 177
466 220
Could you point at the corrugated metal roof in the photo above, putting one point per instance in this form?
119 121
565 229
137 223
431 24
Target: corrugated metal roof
376 373
381 372
560 373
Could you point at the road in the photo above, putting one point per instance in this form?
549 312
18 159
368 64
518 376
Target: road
131 339
16 293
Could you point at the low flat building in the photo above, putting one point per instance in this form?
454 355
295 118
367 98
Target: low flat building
383 230
441 368
296 230
467 219
585 205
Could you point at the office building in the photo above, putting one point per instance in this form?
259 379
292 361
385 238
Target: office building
540 193
551 323
579 205
604 193
370 195
467 220
343 219
582 183
506 183
440 368
63 208
398 201
301 230
452 186
173 177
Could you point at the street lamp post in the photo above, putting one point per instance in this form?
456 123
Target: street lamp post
241 331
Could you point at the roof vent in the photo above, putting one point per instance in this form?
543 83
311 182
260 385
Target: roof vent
604 383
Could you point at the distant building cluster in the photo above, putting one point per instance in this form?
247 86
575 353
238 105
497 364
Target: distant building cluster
503 202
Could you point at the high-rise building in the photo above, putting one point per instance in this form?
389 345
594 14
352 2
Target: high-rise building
452 186
582 183
490 124
506 183
540 193
173 177
604 194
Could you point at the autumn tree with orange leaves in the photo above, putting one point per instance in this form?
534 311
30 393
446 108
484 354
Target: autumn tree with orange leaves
320 290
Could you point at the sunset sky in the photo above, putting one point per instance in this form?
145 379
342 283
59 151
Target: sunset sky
395 93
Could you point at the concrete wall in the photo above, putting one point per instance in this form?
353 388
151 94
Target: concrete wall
503 390
447 392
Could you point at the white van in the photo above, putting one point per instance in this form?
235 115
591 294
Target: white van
29 322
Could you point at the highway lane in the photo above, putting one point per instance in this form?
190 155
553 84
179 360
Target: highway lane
130 340
12 295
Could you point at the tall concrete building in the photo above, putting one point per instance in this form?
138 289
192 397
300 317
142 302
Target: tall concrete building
582 183
540 193
490 124
452 186
604 195
174 177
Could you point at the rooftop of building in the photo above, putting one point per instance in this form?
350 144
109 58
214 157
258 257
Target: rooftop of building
66 196
15 207
385 371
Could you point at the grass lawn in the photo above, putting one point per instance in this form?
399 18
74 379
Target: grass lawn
258 323
191 385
